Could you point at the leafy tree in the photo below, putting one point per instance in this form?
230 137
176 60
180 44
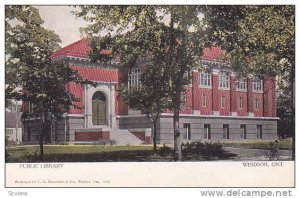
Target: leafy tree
257 39
151 98
168 35
29 66
284 104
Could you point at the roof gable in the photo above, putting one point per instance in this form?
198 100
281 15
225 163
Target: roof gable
212 53
79 49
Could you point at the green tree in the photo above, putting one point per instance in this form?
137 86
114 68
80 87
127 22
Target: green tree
151 98
29 66
257 39
168 35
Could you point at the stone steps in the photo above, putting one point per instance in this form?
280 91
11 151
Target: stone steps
124 137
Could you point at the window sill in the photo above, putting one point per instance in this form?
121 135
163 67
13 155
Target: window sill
254 91
205 87
242 90
224 88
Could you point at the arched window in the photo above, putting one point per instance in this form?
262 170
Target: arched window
99 108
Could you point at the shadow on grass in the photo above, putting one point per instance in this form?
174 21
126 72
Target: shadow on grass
113 156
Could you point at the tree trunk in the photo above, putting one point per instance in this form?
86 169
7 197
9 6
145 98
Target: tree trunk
154 137
177 149
45 123
42 142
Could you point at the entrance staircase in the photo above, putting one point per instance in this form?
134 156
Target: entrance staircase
123 137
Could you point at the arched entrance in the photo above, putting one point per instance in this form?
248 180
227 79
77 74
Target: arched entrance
99 108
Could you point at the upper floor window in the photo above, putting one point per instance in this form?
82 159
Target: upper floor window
257 84
13 106
31 107
205 79
189 77
241 84
134 76
223 79
183 100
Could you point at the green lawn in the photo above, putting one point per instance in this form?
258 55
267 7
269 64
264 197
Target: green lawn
282 144
81 153
100 153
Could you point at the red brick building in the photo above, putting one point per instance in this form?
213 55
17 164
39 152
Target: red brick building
217 105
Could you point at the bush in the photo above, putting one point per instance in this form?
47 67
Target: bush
7 156
9 142
207 150
165 151
271 150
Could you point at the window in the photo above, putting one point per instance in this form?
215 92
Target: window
189 77
205 79
13 106
204 100
259 131
256 104
9 131
222 101
241 84
31 107
223 79
183 100
243 131
240 102
207 131
134 76
28 134
226 131
187 134
37 138
257 84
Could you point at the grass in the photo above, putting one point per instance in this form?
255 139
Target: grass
100 153
79 153
285 144
92 153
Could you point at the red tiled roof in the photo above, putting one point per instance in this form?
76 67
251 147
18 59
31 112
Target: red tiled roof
97 73
81 49
212 53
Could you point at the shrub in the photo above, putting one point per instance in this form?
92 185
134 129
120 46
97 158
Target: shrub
165 151
271 150
112 142
207 150
7 156
9 142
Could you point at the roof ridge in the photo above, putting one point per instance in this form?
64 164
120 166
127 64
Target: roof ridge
75 43
81 48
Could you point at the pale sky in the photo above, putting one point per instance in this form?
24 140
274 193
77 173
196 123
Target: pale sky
63 22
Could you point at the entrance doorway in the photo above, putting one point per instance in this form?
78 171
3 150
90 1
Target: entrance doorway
99 108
